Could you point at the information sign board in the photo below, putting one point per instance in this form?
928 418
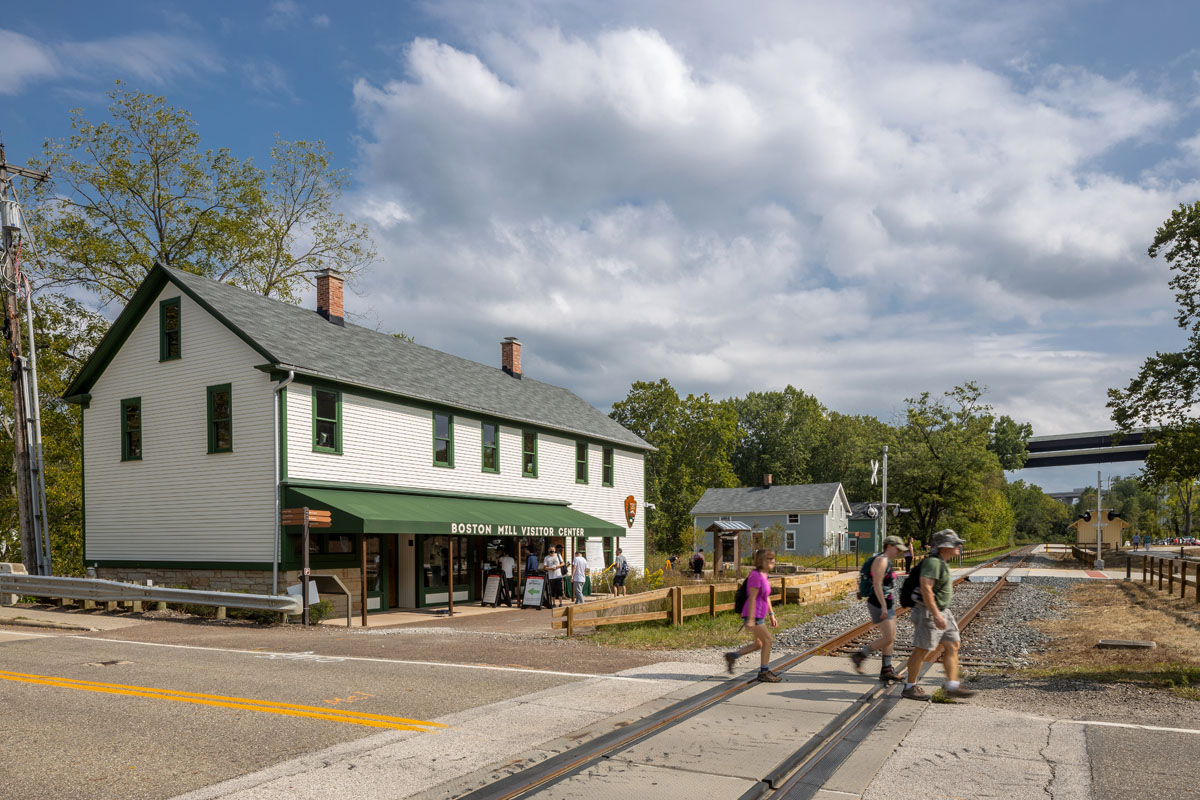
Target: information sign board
535 589
491 591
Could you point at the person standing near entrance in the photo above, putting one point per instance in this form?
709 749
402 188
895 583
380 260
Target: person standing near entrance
933 622
578 575
507 565
698 564
552 565
881 607
757 612
620 573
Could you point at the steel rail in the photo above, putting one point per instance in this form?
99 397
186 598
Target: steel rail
821 758
563 765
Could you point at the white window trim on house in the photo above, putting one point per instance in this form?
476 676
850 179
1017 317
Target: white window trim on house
789 540
793 519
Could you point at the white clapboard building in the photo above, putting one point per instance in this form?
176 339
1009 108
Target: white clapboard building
207 408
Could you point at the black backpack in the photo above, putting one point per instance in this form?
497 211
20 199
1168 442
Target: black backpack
865 588
739 597
912 582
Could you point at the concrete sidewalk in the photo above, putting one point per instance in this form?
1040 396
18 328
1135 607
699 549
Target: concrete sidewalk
63 619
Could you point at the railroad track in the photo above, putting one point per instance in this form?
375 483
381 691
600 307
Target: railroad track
792 778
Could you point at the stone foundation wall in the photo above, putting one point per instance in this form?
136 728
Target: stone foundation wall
218 580
236 580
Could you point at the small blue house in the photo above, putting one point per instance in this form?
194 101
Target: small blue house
814 517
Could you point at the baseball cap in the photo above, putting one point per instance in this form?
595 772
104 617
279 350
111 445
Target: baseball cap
896 540
945 538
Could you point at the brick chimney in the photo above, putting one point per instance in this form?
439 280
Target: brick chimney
329 296
766 480
510 356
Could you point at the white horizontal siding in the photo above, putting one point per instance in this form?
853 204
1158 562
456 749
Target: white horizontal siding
180 503
390 443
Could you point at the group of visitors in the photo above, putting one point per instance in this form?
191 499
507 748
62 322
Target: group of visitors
934 625
555 570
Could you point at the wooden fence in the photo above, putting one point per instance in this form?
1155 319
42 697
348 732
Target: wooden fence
675 604
1162 566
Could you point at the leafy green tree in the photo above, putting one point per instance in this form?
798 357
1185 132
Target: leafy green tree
1174 464
1037 517
695 439
1167 387
844 452
942 464
139 189
986 519
778 432
1010 442
65 333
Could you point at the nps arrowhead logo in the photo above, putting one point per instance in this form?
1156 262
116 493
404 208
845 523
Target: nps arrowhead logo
630 510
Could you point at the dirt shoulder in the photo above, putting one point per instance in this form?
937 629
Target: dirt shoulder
1073 678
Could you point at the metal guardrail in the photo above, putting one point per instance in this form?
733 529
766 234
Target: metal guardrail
114 591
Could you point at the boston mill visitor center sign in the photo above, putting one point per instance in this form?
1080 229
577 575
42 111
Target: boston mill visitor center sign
369 511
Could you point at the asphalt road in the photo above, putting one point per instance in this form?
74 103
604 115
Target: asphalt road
167 709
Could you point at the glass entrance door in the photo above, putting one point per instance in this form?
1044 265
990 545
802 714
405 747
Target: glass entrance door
436 566
378 567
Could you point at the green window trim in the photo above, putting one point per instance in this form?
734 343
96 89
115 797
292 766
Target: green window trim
170 330
606 469
131 429
220 415
489 451
529 454
446 436
327 430
581 464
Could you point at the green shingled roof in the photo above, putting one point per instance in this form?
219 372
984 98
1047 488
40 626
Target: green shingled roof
291 337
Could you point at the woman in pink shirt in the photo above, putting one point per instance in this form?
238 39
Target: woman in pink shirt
757 612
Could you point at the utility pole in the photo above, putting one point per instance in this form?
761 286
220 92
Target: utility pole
26 426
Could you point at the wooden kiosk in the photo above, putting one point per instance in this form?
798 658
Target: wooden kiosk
724 530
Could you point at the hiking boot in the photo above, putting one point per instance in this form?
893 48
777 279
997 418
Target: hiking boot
730 660
857 659
888 674
766 676
961 691
915 693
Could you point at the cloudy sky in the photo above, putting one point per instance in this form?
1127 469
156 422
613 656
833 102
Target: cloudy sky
864 200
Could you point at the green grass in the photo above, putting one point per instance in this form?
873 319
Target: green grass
724 630
1183 680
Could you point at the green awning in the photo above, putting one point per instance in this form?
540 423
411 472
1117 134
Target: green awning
363 511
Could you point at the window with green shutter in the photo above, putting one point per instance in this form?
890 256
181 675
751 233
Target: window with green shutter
169 330
607 467
131 429
443 440
581 462
491 447
327 421
220 418
529 447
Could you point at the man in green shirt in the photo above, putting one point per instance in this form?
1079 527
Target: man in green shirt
933 622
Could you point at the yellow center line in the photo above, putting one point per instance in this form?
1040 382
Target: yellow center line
265 706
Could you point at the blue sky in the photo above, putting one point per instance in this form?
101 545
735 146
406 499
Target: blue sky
864 200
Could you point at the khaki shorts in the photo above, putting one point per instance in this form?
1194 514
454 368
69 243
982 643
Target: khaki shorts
926 634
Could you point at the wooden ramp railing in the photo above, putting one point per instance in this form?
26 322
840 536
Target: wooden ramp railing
676 603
